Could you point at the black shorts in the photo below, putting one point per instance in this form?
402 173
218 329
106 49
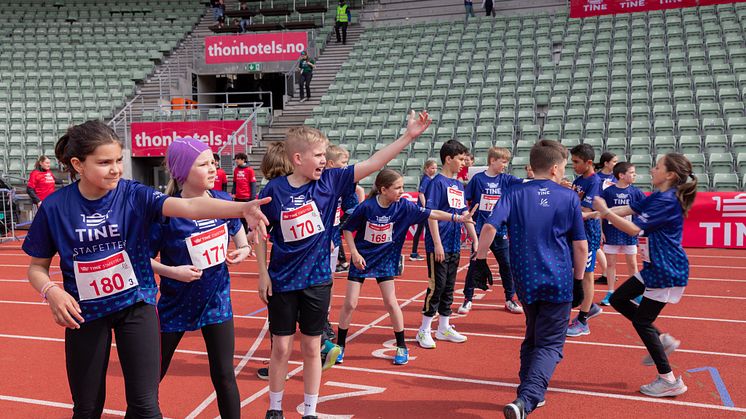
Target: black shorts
307 307
378 280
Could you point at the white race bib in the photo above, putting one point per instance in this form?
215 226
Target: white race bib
455 197
338 216
642 242
488 202
606 183
104 277
301 223
378 233
208 248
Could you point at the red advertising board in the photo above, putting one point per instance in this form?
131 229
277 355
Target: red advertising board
254 48
151 139
587 8
717 219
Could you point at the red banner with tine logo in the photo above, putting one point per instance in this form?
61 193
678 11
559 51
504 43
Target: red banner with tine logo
588 8
718 220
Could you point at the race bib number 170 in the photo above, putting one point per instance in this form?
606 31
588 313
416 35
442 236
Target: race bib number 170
301 223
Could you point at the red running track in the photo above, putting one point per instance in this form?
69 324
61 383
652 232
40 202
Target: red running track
599 376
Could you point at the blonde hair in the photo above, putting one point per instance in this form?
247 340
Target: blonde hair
275 162
335 153
299 139
428 163
495 153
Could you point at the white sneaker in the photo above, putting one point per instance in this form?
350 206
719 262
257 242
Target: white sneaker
670 344
425 339
450 335
513 307
465 308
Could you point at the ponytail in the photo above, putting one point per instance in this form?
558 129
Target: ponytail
384 179
80 141
686 182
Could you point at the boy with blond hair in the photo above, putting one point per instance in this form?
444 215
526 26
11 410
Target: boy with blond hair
484 191
296 286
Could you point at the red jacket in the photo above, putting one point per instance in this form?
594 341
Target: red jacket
42 183
243 182
221 180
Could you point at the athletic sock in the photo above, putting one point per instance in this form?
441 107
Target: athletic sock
668 377
309 404
341 336
275 400
443 324
583 317
427 323
400 339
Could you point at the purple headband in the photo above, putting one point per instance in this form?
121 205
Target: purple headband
181 155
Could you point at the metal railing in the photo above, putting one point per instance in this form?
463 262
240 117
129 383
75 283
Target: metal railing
7 215
247 131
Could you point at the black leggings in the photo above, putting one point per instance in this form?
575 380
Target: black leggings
220 342
87 353
417 236
642 318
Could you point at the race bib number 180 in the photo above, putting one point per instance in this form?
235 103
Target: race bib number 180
104 277
301 223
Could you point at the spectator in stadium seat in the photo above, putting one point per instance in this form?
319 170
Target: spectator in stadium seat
41 181
489 7
245 21
469 5
306 66
218 10
343 18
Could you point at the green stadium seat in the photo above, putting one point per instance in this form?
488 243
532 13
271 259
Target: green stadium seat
721 163
726 182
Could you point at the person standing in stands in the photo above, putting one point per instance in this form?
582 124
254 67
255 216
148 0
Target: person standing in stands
221 178
245 20
306 66
469 5
41 181
244 181
343 18
489 7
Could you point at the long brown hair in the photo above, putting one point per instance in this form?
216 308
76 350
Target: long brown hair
41 158
384 179
275 162
80 141
686 190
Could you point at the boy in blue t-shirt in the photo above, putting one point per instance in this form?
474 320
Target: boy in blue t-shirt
296 286
548 245
588 186
443 246
428 172
617 242
484 191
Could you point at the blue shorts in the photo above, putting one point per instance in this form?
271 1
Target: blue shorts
590 261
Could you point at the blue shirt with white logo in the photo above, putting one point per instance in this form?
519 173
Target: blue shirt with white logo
447 195
303 260
606 180
110 229
619 197
489 189
543 220
380 234
587 189
424 183
347 204
191 305
662 220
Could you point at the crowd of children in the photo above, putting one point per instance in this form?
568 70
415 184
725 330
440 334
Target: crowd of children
108 232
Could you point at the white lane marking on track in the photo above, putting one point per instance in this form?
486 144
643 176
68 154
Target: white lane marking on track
244 360
53 404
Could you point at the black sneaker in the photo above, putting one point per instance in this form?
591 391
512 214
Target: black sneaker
343 267
263 373
601 280
515 410
328 331
274 414
310 417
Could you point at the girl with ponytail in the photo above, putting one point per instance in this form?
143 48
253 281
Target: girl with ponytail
380 224
665 273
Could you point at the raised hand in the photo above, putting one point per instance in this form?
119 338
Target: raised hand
417 123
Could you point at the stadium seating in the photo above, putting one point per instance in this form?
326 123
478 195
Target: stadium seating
68 61
636 84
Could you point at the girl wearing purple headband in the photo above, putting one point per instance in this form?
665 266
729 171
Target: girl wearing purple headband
99 225
195 284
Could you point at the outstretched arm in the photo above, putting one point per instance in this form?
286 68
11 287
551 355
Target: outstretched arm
205 208
417 124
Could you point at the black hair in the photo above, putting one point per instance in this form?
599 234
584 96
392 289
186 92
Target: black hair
80 141
606 156
584 151
545 154
452 148
621 168
241 156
